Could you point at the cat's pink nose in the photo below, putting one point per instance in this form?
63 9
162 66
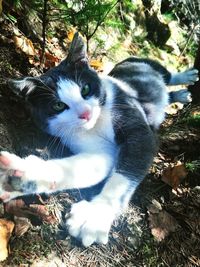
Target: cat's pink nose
86 115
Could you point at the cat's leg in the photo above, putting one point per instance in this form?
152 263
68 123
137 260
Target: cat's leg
91 221
187 77
37 175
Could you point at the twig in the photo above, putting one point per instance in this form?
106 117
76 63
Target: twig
44 23
99 22
188 40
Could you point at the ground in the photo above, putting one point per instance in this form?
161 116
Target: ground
160 228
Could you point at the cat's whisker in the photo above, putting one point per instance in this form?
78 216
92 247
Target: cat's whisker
51 142
59 148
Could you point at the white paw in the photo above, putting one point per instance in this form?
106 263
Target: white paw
27 168
10 161
35 175
190 76
91 221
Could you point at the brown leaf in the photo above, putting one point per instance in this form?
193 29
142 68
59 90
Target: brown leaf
21 225
24 44
49 60
96 64
70 34
15 207
155 207
6 228
160 222
43 213
173 175
18 208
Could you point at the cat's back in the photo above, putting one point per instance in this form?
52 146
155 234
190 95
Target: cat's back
144 76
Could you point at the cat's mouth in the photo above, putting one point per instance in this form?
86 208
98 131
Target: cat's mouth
88 118
89 122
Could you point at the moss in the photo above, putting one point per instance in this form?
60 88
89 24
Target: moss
37 243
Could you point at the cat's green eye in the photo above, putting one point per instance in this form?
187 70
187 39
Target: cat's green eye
59 106
85 90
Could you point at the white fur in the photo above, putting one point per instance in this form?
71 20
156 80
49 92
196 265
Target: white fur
91 221
77 134
82 170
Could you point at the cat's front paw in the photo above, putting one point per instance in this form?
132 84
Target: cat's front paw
26 175
7 192
14 166
91 222
9 161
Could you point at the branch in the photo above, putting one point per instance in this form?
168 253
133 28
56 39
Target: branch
188 39
100 21
44 23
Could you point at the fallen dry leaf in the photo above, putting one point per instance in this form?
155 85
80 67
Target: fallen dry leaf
43 213
21 225
19 208
70 34
6 228
24 44
50 60
155 207
96 64
161 222
173 175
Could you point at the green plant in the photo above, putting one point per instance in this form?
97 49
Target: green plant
193 166
194 120
86 15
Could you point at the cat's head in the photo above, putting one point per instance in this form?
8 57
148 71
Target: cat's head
67 97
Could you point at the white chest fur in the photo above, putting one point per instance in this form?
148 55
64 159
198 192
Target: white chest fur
97 140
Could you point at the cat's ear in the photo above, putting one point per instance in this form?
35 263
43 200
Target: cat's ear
77 51
22 86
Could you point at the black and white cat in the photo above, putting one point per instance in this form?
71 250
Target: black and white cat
109 124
